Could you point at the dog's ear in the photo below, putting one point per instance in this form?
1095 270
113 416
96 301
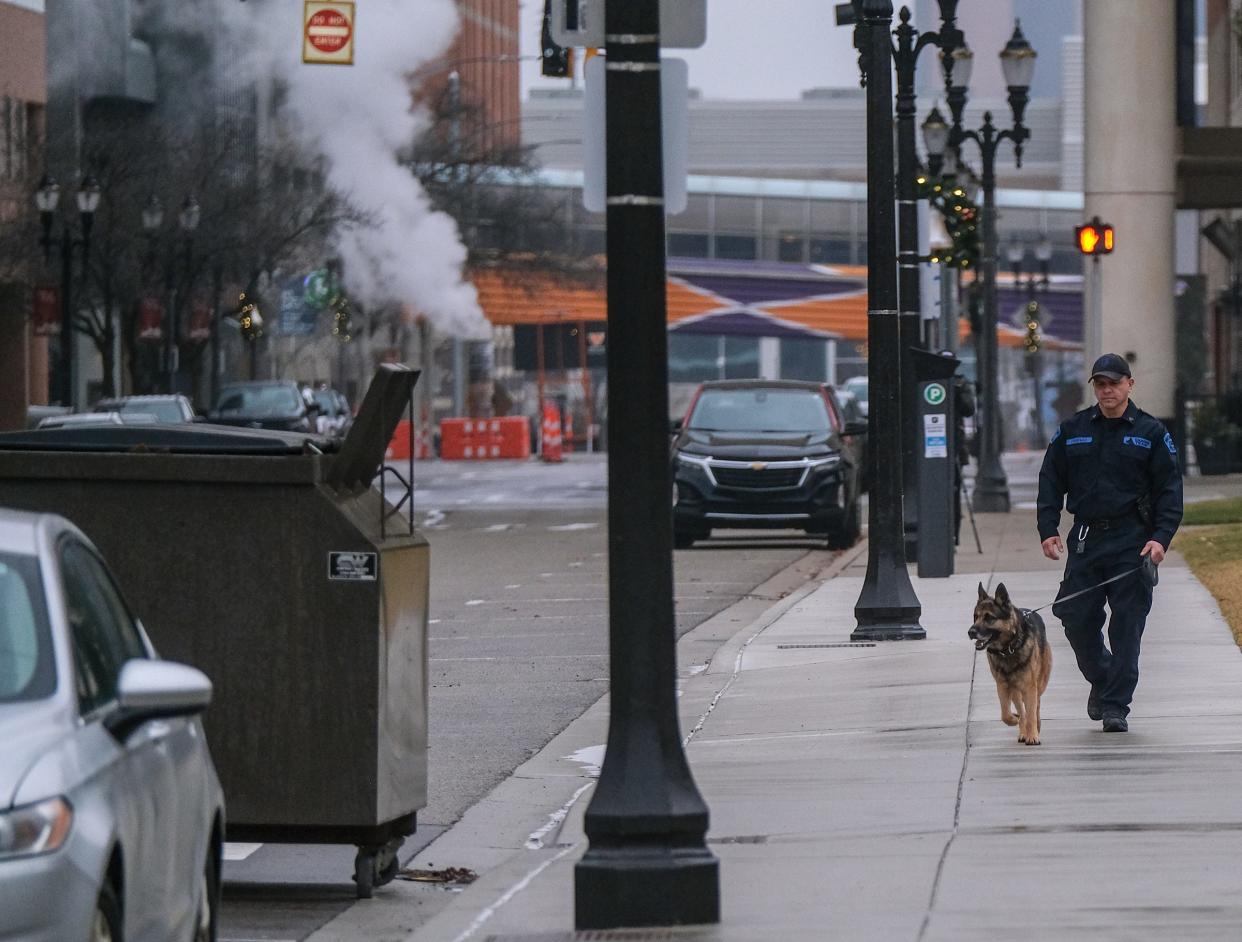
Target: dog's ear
1002 596
983 595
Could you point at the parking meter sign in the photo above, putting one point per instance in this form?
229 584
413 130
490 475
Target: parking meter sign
353 567
934 394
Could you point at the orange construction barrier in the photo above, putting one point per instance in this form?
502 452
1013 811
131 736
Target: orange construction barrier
474 439
399 448
550 439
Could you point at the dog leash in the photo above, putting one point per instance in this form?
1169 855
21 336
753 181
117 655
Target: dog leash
1147 566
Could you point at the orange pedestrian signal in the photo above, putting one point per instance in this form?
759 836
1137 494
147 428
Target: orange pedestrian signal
1095 238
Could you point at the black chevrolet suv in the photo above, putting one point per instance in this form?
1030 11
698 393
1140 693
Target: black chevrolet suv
766 454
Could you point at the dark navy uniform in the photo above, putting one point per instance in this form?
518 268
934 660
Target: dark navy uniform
1124 488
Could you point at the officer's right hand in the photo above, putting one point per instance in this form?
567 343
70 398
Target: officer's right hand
1053 547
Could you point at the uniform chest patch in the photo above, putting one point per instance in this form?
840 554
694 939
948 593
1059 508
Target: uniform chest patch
1080 440
1137 440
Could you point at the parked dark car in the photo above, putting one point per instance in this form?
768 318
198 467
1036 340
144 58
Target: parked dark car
165 409
274 404
766 454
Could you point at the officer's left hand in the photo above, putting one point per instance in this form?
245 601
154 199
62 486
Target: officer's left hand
1156 551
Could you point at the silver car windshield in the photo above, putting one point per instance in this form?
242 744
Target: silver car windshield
760 410
27 669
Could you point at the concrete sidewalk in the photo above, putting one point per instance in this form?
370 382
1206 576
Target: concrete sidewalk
871 792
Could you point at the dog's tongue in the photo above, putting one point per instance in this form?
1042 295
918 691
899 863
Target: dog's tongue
981 643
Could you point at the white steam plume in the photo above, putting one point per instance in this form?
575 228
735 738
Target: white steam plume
358 117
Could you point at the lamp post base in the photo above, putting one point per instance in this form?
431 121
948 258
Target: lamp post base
992 496
646 886
889 631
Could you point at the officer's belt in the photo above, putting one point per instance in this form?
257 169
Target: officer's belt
1107 523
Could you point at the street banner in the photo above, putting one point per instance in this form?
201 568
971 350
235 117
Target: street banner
328 32
150 320
198 330
297 316
45 312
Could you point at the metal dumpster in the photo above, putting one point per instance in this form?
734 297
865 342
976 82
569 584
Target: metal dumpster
268 560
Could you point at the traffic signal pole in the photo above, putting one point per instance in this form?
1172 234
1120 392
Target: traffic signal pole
648 863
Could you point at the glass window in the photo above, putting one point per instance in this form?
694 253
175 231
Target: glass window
688 245
830 251
789 248
760 410
27 666
103 631
803 358
693 358
741 358
736 246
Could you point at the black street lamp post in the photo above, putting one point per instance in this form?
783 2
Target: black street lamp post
47 200
648 863
910 43
887 608
1033 314
1018 64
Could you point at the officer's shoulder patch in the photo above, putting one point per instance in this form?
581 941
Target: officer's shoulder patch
1168 443
1055 435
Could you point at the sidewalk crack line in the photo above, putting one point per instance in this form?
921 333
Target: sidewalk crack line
957 807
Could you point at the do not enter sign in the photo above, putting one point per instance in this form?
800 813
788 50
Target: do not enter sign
328 32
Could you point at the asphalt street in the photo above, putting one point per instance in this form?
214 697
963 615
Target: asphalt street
518 649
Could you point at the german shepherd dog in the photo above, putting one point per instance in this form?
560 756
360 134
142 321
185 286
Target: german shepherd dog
1019 656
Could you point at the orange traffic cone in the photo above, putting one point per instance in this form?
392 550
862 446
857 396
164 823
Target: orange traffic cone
550 447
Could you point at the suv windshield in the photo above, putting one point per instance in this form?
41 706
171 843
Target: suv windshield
27 671
857 386
164 410
760 410
260 400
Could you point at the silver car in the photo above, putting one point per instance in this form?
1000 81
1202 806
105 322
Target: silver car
111 814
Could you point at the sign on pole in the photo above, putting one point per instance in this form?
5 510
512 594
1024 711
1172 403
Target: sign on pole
674 123
46 311
683 23
328 32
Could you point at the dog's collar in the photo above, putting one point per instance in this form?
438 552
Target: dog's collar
1005 652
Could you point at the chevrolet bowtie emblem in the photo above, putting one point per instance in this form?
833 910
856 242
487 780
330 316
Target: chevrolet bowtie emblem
758 465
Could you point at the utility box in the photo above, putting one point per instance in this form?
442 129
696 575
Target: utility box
269 561
936 461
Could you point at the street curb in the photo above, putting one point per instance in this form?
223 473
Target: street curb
517 830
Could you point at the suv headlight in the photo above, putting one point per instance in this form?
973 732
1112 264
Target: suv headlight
694 461
824 463
35 829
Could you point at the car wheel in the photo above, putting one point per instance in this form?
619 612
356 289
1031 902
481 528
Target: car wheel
106 923
208 903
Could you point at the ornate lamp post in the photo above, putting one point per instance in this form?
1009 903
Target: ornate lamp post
910 43
47 200
1018 64
887 608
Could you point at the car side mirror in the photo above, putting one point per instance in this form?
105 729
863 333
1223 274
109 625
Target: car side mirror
855 428
674 426
152 689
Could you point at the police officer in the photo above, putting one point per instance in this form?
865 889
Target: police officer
1118 467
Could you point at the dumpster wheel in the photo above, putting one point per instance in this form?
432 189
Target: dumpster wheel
376 866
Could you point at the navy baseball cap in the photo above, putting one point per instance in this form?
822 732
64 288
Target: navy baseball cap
1112 366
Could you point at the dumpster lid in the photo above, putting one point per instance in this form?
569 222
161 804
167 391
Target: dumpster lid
362 454
188 439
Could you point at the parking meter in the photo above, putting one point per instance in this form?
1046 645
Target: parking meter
936 462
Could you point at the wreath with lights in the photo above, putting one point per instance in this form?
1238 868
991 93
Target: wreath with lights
961 221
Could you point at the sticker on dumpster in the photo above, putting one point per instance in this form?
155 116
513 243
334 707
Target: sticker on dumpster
353 567
935 439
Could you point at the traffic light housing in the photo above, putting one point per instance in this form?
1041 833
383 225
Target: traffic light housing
1095 237
556 61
